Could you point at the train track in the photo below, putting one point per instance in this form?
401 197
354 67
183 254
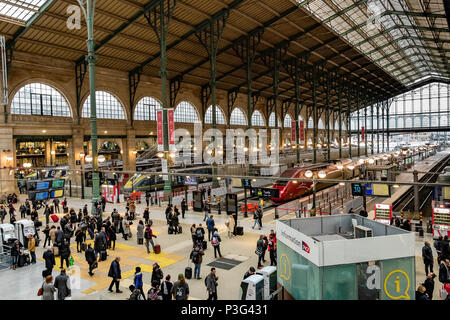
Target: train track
406 201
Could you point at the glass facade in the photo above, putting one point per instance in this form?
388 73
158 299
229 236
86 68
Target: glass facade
108 107
41 100
146 109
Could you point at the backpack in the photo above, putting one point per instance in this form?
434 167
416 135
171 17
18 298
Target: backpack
195 256
199 232
153 294
147 234
215 241
165 291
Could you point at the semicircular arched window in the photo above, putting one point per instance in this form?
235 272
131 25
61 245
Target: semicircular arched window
146 109
41 100
320 124
272 120
287 121
108 107
220 116
257 119
186 112
238 118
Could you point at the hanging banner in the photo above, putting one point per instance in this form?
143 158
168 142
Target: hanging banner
302 131
159 126
171 122
164 169
363 131
293 134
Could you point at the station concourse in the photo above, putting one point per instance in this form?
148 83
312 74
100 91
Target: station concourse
323 122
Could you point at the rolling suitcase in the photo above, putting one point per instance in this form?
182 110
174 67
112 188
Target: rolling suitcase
66 209
240 231
170 230
157 248
180 230
140 241
204 245
188 273
54 218
103 255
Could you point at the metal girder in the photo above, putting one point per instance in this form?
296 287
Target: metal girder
231 100
174 87
415 14
148 7
255 98
22 30
153 16
205 95
133 82
270 103
80 73
245 46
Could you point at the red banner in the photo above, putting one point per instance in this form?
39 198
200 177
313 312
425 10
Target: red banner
363 131
293 133
159 126
170 116
302 130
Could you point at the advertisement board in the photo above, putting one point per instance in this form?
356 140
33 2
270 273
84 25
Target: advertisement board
293 133
302 131
171 124
383 212
159 127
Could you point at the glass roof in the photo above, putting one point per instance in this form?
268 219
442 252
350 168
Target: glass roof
19 10
407 39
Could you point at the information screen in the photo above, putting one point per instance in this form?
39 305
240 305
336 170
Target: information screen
381 190
446 193
41 195
383 212
231 203
58 184
190 181
57 193
42 185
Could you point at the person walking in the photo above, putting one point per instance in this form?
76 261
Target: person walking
211 284
32 248
193 234
138 282
157 274
444 272
62 284
52 234
140 232
166 288
175 223
146 215
91 259
80 237
115 274
210 226
183 207
260 251
272 247
49 259
48 289
180 289
200 233
230 225
99 244
196 257
15 250
64 252
148 236
132 210
112 237
427 256
215 242
46 232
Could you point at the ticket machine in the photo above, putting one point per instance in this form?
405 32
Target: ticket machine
252 288
24 228
269 274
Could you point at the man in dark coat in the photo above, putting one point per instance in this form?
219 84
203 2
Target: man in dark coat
49 259
429 285
115 274
64 252
62 283
59 236
157 274
427 256
90 258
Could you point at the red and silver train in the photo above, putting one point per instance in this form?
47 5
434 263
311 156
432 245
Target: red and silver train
290 190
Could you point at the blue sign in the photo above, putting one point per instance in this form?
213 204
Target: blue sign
369 190
42 185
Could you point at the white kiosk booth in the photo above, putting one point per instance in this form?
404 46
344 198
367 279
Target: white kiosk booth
269 274
252 288
24 228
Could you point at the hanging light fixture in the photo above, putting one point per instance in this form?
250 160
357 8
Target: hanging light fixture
322 174
308 174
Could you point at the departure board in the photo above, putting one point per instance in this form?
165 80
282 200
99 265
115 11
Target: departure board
381 190
446 193
441 216
383 212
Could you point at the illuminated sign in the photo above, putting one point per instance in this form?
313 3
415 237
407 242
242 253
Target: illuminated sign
41 196
42 185
381 190
383 212
56 184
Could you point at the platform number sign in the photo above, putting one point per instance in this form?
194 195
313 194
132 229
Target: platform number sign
357 189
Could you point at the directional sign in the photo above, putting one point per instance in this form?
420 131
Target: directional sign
357 189
265 192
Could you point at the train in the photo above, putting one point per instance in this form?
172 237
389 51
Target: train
290 190
143 181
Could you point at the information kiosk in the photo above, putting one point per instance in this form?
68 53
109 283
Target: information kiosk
252 288
24 228
441 222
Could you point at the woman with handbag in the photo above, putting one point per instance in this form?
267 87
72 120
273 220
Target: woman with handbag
47 291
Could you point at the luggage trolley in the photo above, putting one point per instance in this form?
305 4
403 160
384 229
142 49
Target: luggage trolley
24 228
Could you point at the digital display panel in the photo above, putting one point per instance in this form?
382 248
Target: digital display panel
190 181
381 190
446 193
56 184
42 185
57 193
41 196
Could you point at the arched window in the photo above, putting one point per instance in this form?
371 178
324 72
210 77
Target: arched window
400 124
310 123
425 122
108 107
408 123
444 121
186 112
336 125
238 118
287 121
41 100
220 116
257 119
392 124
434 121
146 109
417 122
320 124
272 120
